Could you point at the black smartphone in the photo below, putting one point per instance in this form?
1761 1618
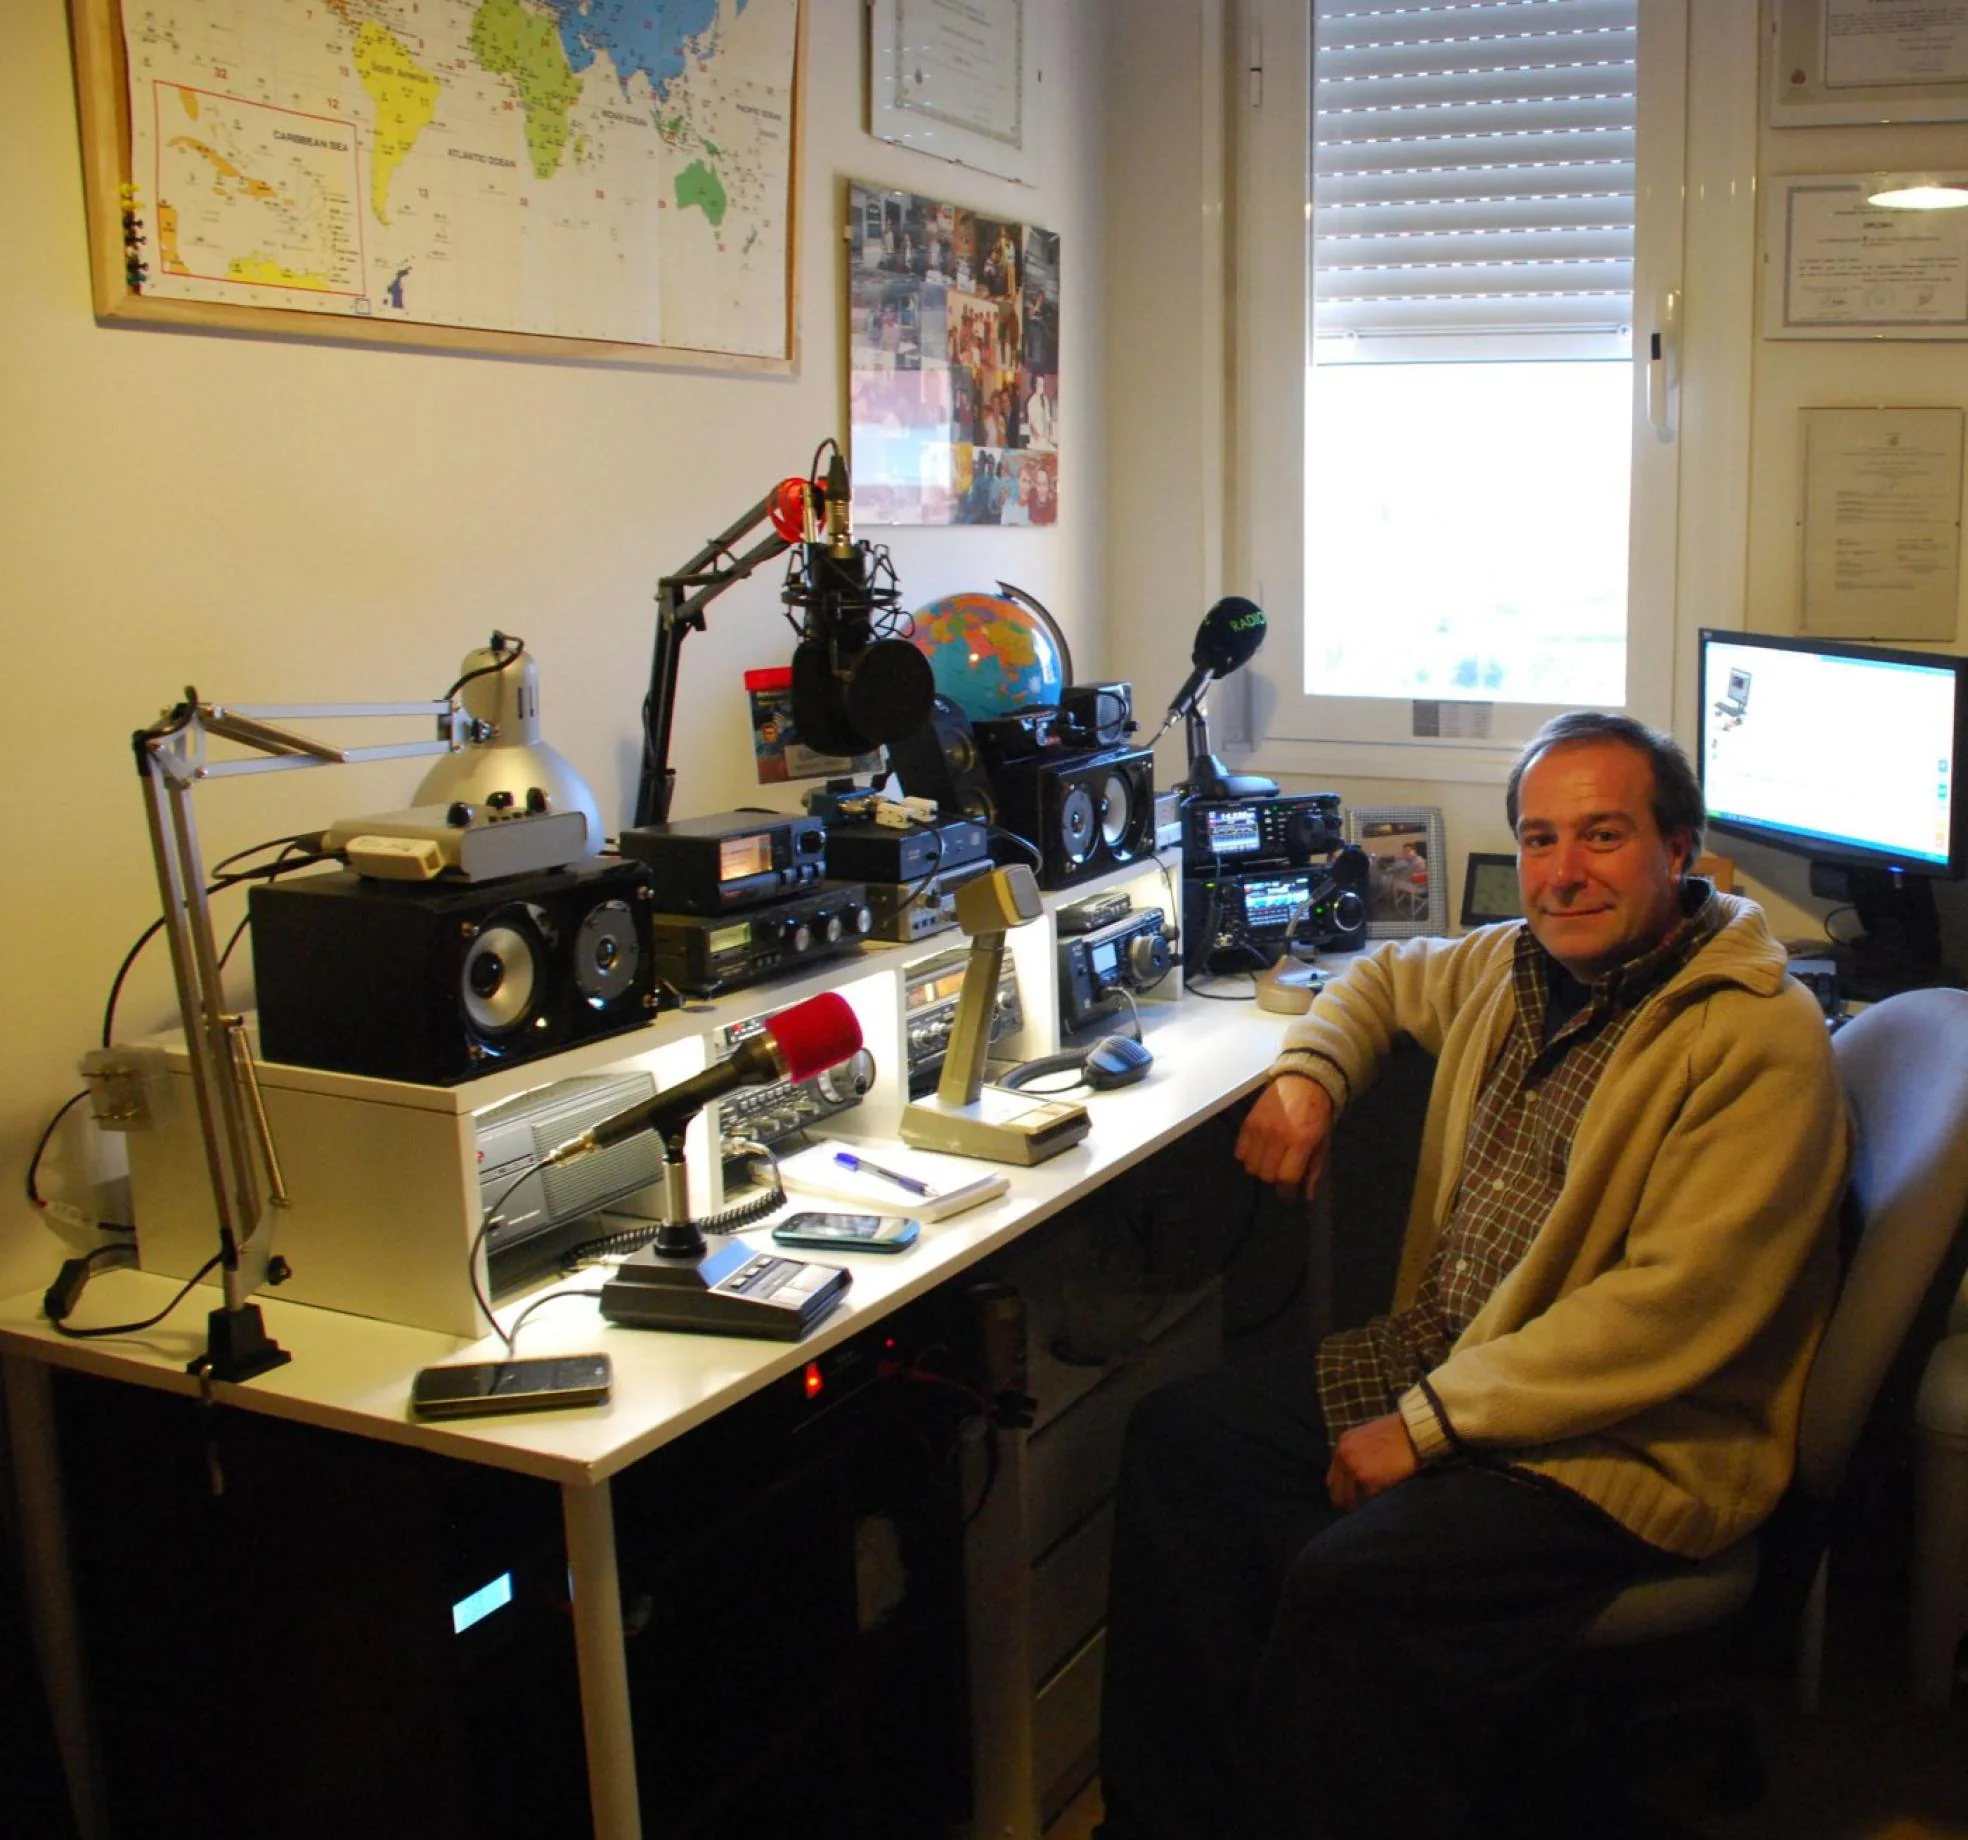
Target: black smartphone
848 1232
468 1388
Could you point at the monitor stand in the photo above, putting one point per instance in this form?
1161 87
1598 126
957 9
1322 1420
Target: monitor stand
1900 948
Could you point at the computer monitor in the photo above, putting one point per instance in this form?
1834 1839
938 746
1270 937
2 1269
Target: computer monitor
1850 756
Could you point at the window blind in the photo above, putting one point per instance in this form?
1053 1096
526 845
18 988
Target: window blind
1472 178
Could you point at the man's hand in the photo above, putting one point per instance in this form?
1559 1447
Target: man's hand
1286 1135
1369 1458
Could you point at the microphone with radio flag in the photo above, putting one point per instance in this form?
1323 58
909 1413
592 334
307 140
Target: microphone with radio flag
1227 640
795 1045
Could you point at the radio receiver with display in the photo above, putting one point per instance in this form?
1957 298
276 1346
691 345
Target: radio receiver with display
730 860
704 954
1246 921
1128 955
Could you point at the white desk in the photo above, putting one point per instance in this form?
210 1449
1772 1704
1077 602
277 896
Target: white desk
352 1374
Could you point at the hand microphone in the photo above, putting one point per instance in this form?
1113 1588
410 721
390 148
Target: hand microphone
795 1045
852 692
1228 639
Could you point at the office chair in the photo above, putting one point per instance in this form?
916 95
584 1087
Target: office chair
1904 1065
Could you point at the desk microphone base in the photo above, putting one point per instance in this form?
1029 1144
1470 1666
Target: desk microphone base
729 1290
1000 1127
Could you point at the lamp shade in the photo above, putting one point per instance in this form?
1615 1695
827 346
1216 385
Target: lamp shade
504 754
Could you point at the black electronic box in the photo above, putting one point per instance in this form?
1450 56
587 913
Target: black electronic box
865 852
1244 921
706 953
1129 955
730 860
1286 827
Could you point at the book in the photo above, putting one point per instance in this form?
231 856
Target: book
952 1184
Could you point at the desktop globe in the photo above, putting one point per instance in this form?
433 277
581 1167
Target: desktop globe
991 653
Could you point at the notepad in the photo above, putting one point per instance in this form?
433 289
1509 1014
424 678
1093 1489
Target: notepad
954 1185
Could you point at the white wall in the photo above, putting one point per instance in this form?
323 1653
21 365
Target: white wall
1176 70
286 521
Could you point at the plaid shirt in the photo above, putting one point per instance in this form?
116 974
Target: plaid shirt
1513 1167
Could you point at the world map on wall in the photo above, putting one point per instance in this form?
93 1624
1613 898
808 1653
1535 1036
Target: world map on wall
596 169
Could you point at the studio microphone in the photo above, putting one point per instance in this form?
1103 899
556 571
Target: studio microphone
795 1045
852 692
1228 639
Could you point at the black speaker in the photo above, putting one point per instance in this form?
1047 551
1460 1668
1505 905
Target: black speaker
1085 812
1096 715
437 982
940 761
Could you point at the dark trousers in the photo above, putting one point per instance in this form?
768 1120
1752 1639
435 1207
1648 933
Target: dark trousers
1279 1671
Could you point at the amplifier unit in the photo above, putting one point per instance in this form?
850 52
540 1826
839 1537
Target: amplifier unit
730 860
1084 813
437 982
930 1013
1129 954
883 853
1244 922
768 1114
1235 834
904 912
704 954
519 1131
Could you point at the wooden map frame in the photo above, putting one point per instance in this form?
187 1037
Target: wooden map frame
102 94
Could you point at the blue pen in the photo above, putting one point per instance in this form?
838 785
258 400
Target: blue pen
848 1160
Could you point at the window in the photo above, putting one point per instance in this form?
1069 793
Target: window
1465 517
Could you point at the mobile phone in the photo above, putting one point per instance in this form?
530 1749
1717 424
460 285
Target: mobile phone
466 1389
848 1232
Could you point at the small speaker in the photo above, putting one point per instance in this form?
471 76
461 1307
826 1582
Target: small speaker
1096 715
437 982
941 761
1086 813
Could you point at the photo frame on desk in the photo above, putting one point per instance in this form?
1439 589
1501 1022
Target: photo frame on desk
1407 894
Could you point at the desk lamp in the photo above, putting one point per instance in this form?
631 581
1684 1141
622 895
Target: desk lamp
964 1116
502 763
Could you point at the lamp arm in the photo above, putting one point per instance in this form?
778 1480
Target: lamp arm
681 599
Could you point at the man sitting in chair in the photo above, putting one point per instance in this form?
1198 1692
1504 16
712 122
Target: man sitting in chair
1336 1580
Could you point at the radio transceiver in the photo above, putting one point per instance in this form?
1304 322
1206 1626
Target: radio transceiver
730 860
766 1114
1245 922
1240 833
1129 954
933 988
704 954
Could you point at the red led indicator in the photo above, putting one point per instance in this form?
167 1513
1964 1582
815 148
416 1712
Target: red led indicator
814 1381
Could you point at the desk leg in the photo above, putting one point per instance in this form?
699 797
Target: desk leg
51 1589
588 1513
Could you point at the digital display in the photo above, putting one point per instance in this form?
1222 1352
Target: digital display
1273 902
1104 957
1830 749
730 938
480 1604
1231 831
742 856
936 989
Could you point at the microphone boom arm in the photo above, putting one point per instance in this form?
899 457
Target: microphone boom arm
681 599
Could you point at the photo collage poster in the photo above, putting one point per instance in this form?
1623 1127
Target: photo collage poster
953 364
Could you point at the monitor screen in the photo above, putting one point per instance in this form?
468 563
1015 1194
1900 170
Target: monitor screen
1842 753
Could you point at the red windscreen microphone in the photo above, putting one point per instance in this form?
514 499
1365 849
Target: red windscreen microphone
795 1045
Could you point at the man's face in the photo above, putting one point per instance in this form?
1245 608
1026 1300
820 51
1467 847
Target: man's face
1599 880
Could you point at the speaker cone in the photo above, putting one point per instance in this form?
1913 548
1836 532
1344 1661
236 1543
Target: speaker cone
606 956
1079 824
501 973
1116 811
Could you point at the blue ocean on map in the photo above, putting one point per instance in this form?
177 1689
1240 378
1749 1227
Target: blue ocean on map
645 35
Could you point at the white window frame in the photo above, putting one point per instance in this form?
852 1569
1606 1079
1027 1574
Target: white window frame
1372 738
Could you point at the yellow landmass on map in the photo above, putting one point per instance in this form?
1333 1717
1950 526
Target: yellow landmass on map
169 256
269 273
223 170
188 100
405 95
